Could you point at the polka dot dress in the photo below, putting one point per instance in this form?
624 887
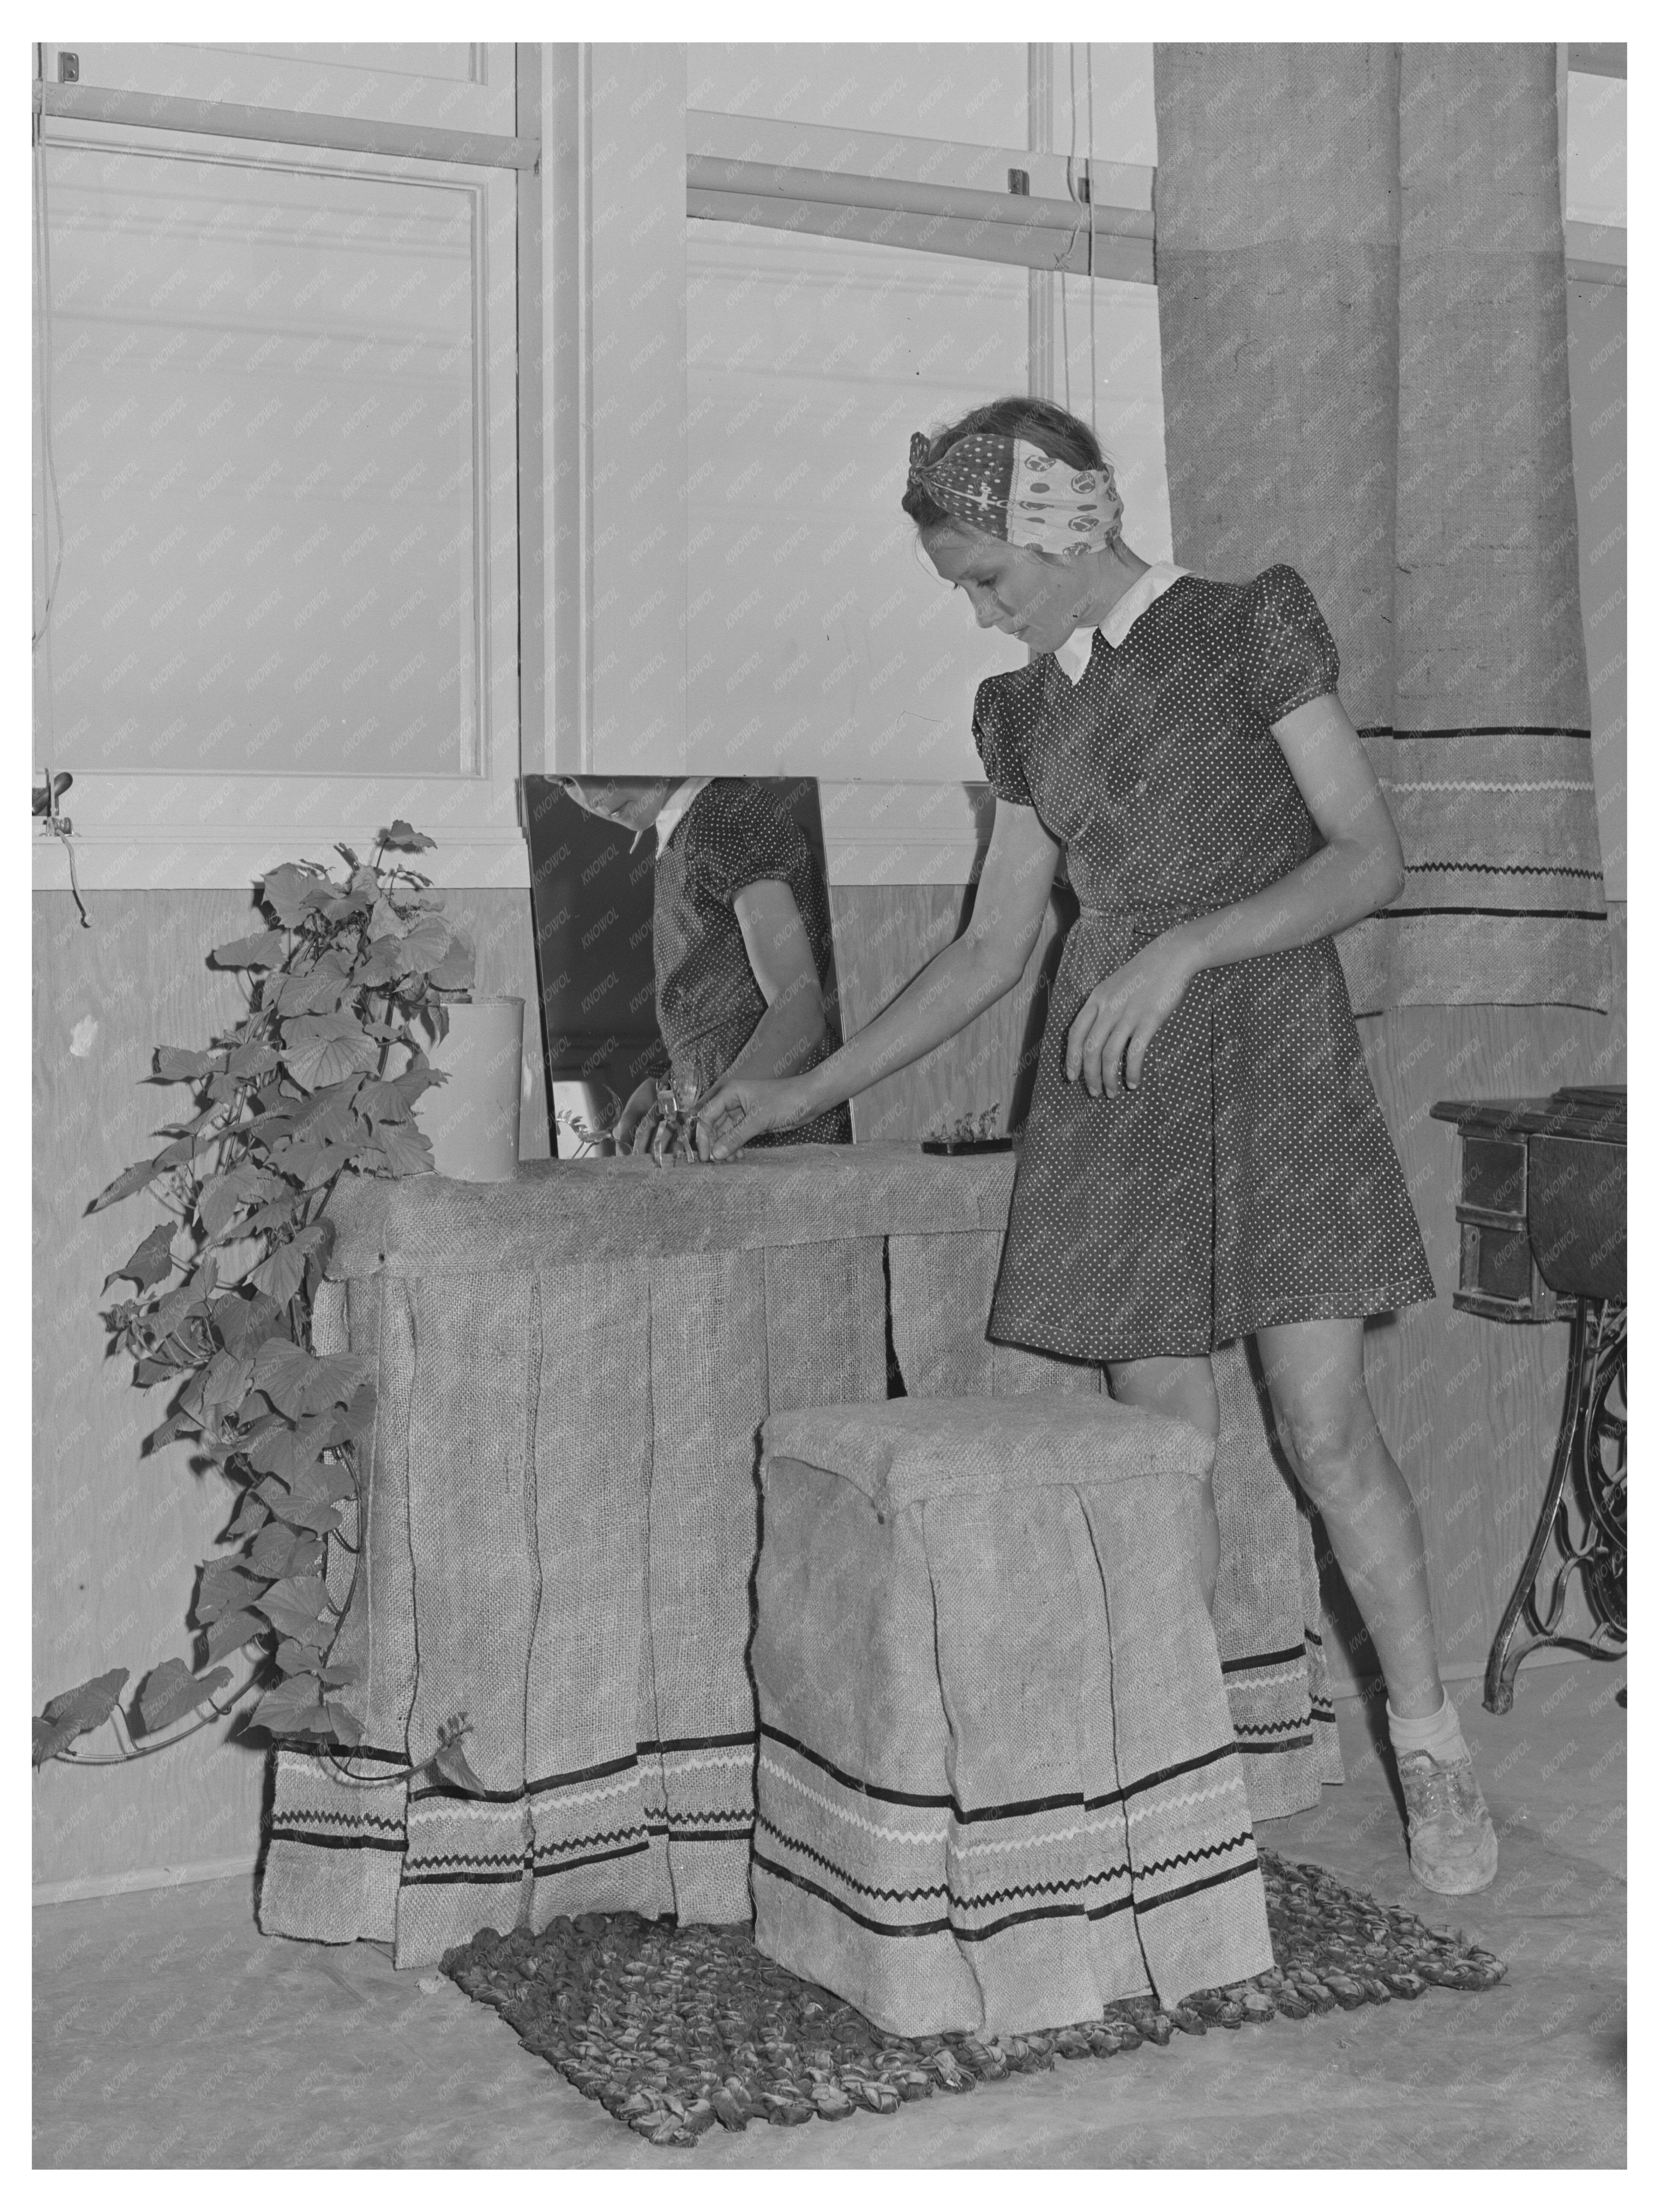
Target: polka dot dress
733 834
1249 1180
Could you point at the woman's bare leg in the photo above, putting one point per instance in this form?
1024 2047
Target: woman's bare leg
1316 1374
1185 1389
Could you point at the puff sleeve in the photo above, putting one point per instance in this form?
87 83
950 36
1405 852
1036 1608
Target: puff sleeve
992 739
1289 656
758 841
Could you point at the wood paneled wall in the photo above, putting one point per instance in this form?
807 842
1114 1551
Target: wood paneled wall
117 1536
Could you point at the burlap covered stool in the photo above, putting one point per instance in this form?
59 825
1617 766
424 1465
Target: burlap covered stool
998 1784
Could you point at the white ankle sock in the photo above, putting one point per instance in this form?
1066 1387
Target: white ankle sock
1438 1734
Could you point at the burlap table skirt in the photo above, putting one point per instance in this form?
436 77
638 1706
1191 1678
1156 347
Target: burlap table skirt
561 1520
998 1783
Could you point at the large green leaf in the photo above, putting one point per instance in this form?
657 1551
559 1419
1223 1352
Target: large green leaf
296 1607
250 1061
269 1129
221 1196
312 1501
175 1426
249 1517
456 970
401 838
174 1064
171 1690
316 990
279 1215
278 1551
344 1724
264 951
381 964
245 1323
334 1380
231 1631
358 1418
75 1712
425 945
418 1078
407 1150
151 1263
293 1707
329 1113
316 1164
227 1381
291 891
350 908
281 1369
384 1102
226 1587
289 1452
281 1274
324 1048
129 1180
169 1316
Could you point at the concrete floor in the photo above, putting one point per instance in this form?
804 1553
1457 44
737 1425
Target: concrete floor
169 2033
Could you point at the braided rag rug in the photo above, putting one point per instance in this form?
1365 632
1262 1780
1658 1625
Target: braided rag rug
677 2029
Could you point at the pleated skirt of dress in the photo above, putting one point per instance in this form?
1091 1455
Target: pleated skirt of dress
1248 1181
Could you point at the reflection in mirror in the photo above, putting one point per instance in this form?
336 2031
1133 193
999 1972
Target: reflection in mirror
682 929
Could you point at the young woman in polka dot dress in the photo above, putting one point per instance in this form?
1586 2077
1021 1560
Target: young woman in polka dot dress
1204 1157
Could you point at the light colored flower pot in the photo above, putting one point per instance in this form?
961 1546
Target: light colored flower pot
473 1119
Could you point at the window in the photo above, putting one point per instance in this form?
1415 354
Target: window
283 503
846 284
818 641
975 94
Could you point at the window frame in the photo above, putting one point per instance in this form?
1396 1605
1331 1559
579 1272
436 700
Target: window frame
602 105
303 88
217 829
928 195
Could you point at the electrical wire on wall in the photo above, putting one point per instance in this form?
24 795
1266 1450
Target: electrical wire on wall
46 800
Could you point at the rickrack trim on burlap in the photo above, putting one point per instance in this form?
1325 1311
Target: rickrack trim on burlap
677 2030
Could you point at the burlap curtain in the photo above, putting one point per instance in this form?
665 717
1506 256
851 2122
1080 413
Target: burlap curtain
1362 298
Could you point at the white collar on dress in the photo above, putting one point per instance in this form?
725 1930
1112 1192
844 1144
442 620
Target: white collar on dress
1074 655
675 805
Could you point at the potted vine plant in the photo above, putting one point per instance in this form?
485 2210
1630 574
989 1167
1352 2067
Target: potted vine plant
347 986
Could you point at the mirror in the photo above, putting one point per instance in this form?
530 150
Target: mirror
682 923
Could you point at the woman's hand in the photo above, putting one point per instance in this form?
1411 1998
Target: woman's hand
1107 1042
637 1121
742 1107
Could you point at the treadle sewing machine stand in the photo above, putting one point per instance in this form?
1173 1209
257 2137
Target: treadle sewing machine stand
1541 1210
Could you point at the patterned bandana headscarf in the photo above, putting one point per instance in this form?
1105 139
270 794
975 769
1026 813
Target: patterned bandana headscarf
1008 489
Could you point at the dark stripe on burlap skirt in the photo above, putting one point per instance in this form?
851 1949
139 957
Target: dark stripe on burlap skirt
1192 1889
1067 1800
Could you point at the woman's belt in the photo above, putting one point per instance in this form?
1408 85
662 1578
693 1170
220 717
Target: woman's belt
1165 909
